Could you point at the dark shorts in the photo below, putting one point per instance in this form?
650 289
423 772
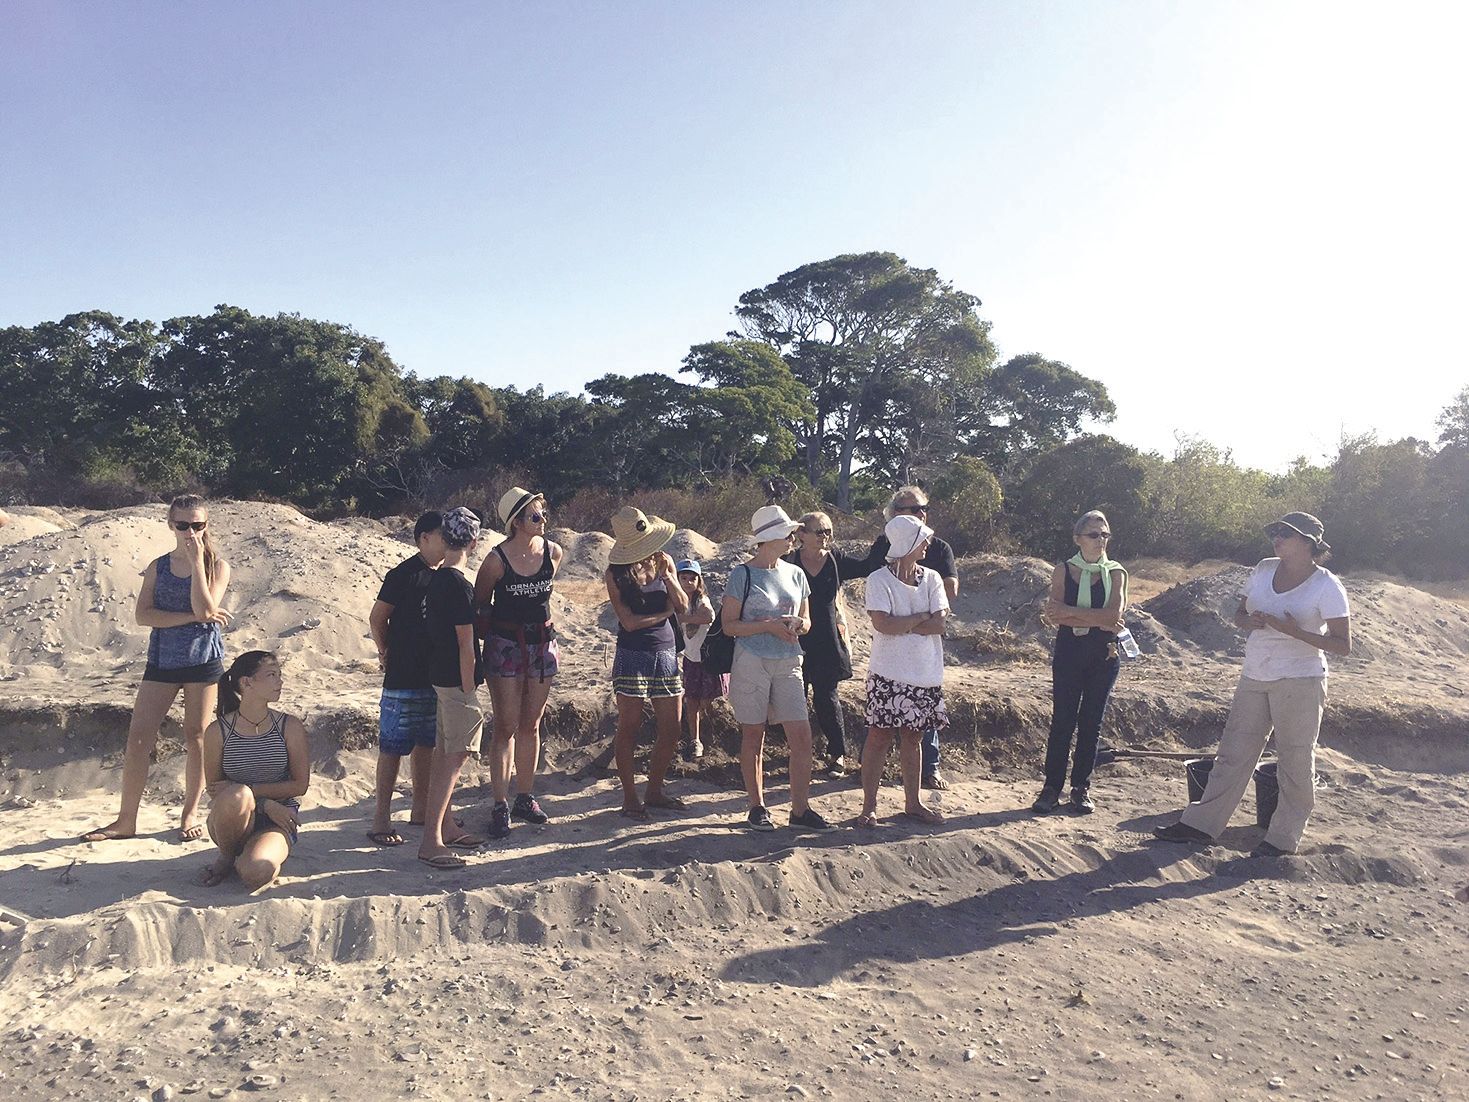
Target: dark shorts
262 824
700 684
530 661
646 673
207 673
406 720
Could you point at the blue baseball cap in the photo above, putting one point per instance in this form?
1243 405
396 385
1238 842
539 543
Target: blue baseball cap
688 566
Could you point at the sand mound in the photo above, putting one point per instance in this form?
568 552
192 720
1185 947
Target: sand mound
1200 611
26 522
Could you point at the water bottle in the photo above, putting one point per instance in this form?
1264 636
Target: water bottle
1127 643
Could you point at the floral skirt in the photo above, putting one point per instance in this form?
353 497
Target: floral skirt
893 704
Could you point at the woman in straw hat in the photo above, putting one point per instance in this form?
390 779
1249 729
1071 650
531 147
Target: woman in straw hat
513 594
643 587
766 609
1294 613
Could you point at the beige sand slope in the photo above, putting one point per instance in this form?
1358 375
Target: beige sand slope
999 956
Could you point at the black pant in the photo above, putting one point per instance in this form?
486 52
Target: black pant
1080 687
828 708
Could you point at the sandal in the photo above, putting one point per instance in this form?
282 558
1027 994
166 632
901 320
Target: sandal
465 841
867 820
636 812
385 837
191 833
444 861
665 802
106 834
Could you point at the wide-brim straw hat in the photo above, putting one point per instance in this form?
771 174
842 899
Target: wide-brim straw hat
636 536
770 522
512 501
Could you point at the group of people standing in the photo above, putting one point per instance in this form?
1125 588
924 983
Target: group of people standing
441 634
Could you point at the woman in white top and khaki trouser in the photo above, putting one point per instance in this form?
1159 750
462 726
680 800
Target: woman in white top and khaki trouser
1296 613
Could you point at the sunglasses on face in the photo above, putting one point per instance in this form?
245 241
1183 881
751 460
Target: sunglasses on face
1098 535
536 518
919 510
817 532
190 525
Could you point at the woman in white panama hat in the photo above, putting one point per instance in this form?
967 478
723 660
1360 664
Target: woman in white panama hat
512 592
766 609
643 588
1294 612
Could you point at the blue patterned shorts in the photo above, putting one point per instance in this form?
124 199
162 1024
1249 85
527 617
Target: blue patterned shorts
406 720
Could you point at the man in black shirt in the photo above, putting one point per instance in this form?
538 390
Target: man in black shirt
406 710
912 500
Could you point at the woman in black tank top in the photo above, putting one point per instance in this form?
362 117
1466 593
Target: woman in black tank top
513 595
1088 596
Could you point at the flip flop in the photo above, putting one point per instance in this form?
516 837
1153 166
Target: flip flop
638 813
191 833
665 802
465 841
385 837
104 834
867 821
444 861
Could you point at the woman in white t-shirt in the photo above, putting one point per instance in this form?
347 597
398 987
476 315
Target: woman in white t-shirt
1296 613
905 675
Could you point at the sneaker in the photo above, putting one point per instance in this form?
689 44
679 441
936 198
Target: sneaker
696 749
500 819
1048 801
528 810
759 819
1180 832
1081 801
810 819
1265 849
935 781
836 768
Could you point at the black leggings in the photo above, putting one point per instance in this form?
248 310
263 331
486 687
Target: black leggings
1080 687
828 708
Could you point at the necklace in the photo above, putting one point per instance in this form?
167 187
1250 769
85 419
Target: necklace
254 724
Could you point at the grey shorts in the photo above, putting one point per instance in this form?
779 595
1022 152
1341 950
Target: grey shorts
459 721
766 690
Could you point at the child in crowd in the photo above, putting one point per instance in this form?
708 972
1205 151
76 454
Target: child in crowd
456 673
700 687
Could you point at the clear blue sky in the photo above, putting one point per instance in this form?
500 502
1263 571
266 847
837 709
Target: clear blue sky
1247 219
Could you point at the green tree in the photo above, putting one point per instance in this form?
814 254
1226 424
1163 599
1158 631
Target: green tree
1089 472
859 330
966 500
1453 422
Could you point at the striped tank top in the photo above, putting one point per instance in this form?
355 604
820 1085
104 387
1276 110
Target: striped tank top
256 759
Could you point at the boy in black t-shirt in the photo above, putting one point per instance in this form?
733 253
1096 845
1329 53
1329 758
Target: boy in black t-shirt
406 710
454 668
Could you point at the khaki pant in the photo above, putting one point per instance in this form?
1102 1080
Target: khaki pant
1292 707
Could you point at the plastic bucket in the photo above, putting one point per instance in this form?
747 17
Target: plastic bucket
1267 793
1196 772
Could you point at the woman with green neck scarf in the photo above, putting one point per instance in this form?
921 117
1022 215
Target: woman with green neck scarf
1088 595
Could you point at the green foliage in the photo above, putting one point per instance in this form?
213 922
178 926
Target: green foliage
1453 422
1090 472
1200 504
966 500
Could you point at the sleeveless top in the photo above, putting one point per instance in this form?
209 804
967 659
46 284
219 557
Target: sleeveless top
1093 645
186 645
523 598
649 600
256 759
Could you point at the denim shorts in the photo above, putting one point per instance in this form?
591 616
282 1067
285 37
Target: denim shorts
405 720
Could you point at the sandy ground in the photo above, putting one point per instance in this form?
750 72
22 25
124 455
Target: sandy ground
999 955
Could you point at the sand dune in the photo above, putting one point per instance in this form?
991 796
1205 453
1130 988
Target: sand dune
999 955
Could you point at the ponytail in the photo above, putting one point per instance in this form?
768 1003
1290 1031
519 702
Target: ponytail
247 665
187 503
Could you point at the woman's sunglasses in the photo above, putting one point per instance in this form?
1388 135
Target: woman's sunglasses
190 525
1098 535
920 510
817 532
536 518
